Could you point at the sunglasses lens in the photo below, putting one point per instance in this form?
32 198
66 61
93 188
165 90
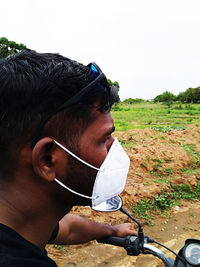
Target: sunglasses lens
93 68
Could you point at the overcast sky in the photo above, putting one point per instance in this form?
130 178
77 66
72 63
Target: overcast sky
148 46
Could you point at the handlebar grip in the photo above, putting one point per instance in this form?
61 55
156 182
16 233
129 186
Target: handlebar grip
113 240
130 243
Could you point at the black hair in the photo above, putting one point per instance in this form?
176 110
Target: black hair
32 85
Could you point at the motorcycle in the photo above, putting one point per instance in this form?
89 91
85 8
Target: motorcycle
188 256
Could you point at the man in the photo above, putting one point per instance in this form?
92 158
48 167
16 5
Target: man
55 133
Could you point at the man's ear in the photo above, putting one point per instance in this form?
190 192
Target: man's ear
44 158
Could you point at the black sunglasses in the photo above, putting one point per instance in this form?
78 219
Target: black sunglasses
100 77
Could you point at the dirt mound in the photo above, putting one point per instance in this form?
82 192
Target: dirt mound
157 155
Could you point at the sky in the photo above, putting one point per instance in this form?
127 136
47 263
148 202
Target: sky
148 46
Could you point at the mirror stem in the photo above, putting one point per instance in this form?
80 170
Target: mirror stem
140 230
126 212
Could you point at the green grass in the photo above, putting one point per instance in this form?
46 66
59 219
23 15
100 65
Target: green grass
191 171
59 247
165 129
143 210
127 143
195 155
162 180
168 198
190 149
148 115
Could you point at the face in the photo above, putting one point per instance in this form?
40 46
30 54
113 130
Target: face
97 140
94 146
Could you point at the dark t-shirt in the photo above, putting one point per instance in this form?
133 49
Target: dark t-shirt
15 251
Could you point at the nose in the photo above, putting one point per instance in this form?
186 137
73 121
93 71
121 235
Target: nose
112 139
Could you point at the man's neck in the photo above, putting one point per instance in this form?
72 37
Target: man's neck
33 220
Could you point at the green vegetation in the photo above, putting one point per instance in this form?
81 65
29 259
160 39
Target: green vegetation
127 143
133 100
143 210
190 149
59 247
191 95
191 171
168 198
165 129
162 180
155 115
8 48
195 160
165 97
116 85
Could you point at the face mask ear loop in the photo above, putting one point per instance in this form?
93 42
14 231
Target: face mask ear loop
73 155
72 191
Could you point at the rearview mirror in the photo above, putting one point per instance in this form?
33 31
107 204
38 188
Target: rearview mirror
112 204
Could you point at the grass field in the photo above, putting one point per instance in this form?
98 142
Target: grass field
148 115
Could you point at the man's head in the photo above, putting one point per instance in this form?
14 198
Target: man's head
33 87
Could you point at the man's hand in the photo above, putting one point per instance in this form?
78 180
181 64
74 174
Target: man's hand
124 229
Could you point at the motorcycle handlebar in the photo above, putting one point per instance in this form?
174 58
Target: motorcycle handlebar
113 240
130 243
124 241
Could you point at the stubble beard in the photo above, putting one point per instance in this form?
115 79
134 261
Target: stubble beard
80 178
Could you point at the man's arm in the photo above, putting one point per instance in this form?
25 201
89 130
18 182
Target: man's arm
74 229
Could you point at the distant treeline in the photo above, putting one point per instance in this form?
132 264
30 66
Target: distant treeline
191 95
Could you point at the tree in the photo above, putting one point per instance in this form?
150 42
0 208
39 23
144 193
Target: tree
116 84
165 97
9 47
182 97
191 95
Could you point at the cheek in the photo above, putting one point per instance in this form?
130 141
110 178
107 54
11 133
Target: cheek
95 154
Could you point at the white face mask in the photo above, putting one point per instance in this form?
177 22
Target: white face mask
111 176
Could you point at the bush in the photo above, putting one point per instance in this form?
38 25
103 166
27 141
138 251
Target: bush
133 100
165 97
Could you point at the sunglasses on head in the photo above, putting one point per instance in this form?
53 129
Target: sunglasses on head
100 78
